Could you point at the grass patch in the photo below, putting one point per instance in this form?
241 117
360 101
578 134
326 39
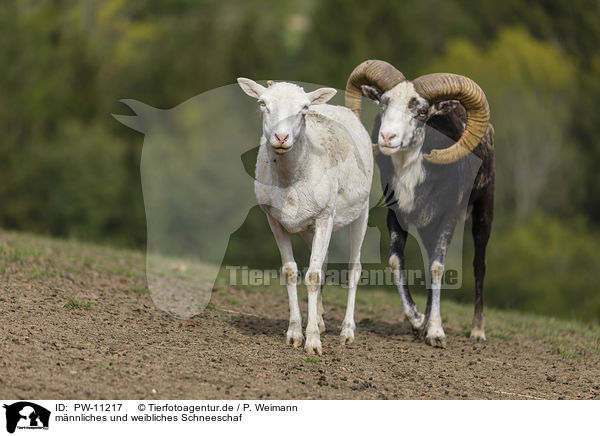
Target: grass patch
233 301
37 272
18 253
500 335
110 366
140 290
566 353
89 262
41 257
310 359
123 270
74 303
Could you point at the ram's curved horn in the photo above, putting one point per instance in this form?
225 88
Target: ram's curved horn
446 86
372 72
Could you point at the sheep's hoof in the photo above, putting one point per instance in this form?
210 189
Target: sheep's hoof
313 344
294 337
347 334
420 332
346 340
417 321
478 335
436 337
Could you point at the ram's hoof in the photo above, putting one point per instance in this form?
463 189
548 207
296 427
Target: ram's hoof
417 321
436 337
478 335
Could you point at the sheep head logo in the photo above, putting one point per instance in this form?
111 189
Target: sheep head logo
24 414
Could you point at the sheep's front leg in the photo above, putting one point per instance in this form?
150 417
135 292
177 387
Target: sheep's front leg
290 271
314 276
398 235
308 238
320 309
435 332
357 234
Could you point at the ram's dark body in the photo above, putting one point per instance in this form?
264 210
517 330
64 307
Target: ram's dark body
446 193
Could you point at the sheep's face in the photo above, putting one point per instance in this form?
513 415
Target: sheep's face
284 106
404 114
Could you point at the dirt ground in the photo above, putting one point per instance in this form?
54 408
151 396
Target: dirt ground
77 323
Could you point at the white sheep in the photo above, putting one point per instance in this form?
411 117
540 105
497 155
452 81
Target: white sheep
313 176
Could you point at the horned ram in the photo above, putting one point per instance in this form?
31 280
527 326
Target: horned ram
428 186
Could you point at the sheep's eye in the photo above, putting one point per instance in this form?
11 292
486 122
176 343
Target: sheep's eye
263 106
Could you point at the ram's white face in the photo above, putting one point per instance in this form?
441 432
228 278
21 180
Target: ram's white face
284 106
404 114
403 117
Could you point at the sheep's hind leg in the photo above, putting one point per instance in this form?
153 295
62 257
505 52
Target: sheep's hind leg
481 229
323 228
290 271
357 235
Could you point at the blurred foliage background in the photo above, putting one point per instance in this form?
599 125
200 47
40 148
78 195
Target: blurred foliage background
68 169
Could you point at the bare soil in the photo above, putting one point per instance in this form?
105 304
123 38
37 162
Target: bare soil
77 323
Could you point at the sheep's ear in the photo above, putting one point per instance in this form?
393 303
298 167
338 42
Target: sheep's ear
321 95
250 87
371 93
445 107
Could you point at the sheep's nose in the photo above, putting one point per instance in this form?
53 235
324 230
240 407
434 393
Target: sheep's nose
387 137
281 138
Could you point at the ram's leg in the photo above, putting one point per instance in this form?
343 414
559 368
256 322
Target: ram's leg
436 240
398 237
308 237
323 228
435 332
481 228
290 271
357 235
